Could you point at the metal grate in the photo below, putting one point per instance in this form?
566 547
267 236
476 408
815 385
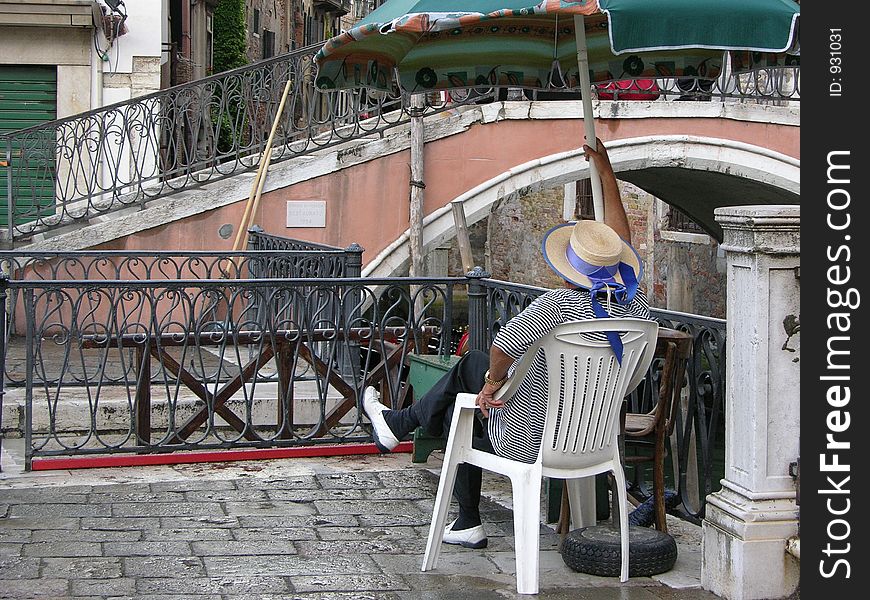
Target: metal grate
680 221
584 208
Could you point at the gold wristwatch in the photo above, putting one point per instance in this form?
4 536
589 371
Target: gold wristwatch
489 381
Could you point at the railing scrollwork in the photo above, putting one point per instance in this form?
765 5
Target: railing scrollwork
125 154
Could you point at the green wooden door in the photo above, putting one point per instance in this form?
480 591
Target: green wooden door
28 96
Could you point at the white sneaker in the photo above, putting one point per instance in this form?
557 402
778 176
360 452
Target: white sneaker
473 537
384 437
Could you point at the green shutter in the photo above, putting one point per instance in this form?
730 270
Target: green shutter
28 96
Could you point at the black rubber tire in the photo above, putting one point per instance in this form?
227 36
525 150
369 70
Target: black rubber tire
596 551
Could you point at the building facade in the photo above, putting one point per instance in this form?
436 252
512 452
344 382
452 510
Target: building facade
90 53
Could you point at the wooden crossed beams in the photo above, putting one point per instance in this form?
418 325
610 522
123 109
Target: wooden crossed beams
281 345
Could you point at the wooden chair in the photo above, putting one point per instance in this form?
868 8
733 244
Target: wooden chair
655 427
581 431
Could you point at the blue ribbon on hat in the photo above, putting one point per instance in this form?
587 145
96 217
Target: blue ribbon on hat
603 280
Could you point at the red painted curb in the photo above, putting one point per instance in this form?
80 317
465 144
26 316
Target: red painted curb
177 458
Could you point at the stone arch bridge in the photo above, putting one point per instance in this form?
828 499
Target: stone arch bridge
693 155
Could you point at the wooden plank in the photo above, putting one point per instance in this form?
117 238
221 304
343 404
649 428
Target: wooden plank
462 236
335 380
285 367
143 396
375 375
41 20
356 334
284 362
190 382
230 388
180 458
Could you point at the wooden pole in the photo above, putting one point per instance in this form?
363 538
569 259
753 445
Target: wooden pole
260 177
417 186
416 268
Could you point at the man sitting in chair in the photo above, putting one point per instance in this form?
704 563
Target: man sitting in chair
601 272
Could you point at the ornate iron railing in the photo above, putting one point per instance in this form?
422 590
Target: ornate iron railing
170 265
258 239
127 153
72 169
145 366
700 420
105 366
273 258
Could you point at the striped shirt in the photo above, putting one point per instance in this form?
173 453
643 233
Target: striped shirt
516 428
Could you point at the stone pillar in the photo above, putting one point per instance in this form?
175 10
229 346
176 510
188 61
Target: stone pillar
749 520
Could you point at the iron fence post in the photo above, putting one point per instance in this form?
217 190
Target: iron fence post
353 268
258 268
4 282
254 233
10 207
478 321
28 379
447 341
353 262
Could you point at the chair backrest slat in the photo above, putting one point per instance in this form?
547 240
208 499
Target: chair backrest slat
587 385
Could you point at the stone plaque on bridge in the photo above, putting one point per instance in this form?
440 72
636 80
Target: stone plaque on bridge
306 213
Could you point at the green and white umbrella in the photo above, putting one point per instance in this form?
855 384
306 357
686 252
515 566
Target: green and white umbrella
432 45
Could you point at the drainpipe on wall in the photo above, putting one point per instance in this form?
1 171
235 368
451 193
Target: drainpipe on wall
96 63
96 78
185 29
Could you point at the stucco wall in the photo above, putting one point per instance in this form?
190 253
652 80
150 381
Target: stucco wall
70 50
690 276
686 276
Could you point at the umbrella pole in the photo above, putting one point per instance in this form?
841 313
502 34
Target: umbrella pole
588 117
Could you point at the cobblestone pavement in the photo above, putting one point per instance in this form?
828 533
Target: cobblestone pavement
320 529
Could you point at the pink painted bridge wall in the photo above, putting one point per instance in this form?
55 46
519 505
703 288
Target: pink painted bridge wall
367 200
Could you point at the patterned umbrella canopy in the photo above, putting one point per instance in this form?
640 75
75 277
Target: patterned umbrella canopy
431 45
444 44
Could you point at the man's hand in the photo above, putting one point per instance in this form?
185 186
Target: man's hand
599 156
614 211
499 363
485 401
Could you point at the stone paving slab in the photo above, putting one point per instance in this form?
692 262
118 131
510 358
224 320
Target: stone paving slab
18 567
293 534
188 534
351 528
163 566
81 568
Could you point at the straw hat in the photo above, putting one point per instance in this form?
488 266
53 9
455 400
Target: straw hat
587 253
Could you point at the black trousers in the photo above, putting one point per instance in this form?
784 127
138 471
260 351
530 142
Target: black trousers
434 411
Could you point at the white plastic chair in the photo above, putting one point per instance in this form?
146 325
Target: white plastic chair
580 433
